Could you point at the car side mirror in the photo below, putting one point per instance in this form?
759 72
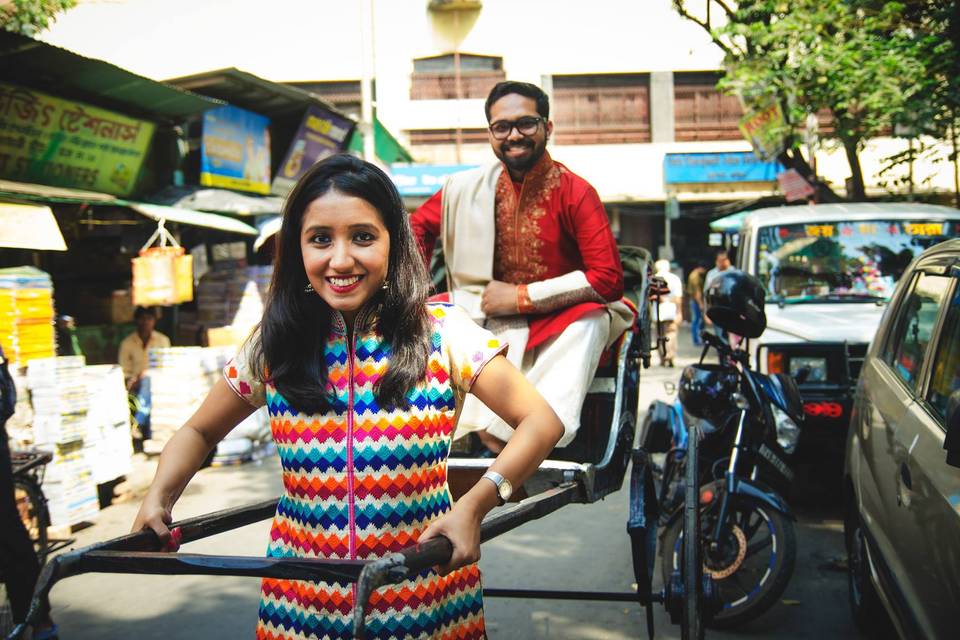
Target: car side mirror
952 440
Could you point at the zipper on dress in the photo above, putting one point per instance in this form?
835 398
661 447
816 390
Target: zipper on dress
351 496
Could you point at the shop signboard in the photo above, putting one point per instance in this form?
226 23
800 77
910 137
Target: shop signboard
764 129
62 143
321 134
717 168
235 150
423 180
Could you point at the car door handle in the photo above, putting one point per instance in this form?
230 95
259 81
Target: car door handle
905 476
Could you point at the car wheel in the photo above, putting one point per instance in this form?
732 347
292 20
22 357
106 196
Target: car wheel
868 612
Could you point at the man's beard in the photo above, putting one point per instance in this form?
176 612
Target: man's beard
524 163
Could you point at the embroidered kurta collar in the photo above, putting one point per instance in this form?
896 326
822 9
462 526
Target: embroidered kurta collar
365 321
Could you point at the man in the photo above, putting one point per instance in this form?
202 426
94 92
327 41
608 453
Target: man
721 264
669 310
695 282
529 253
133 357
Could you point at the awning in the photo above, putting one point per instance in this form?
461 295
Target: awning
267 230
275 100
217 201
43 66
29 226
44 193
191 217
731 223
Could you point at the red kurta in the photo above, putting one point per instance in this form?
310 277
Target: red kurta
549 225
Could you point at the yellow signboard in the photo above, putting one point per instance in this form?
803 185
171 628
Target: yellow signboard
47 140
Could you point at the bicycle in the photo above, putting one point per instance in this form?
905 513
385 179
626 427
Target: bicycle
28 471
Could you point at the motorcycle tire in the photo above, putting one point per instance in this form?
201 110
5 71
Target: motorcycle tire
740 604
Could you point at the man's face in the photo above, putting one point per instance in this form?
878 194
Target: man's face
145 324
518 151
723 262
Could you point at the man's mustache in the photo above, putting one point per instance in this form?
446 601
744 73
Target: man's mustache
521 145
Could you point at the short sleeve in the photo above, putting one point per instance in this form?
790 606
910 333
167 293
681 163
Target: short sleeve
240 375
469 347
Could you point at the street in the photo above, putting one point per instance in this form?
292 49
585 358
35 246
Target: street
578 547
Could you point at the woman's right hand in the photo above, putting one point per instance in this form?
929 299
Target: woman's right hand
157 517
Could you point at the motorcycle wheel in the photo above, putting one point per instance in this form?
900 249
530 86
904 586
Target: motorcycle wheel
752 567
691 626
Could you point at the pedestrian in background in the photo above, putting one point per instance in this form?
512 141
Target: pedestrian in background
134 359
669 310
363 380
695 280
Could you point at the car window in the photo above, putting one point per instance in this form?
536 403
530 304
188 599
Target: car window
916 317
945 375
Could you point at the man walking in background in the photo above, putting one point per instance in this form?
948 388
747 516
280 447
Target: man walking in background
669 311
695 282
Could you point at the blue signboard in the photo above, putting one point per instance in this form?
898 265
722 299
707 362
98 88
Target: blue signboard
423 179
701 168
235 151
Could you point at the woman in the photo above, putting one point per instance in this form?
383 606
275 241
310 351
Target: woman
363 381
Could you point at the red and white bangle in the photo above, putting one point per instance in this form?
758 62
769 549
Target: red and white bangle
524 303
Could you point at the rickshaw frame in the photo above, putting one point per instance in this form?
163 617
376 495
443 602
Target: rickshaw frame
555 484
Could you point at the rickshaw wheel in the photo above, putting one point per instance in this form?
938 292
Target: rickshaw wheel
691 625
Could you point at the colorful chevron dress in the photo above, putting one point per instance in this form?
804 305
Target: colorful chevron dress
362 481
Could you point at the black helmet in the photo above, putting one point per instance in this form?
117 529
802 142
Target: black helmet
706 390
735 303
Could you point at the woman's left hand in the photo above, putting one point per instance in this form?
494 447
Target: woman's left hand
461 526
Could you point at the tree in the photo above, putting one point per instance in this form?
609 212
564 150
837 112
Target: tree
874 66
30 17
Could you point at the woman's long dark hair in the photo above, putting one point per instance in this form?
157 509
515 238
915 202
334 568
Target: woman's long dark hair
296 324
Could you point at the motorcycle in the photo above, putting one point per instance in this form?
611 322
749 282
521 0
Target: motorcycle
749 425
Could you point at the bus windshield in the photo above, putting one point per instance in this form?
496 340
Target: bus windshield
848 261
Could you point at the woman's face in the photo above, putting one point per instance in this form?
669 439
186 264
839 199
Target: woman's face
346 250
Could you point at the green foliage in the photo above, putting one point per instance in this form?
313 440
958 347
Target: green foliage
30 17
874 66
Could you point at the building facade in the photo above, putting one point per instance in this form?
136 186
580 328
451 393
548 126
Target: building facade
630 82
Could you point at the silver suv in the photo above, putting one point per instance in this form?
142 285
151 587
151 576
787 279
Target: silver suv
901 472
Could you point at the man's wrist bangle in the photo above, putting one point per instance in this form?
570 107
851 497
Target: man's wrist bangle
524 303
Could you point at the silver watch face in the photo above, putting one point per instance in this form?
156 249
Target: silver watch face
505 489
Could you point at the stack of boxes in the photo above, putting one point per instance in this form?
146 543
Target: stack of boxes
233 298
180 378
58 393
26 314
108 445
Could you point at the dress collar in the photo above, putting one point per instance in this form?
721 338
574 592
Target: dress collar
365 320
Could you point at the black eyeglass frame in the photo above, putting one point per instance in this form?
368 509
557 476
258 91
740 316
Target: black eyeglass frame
530 122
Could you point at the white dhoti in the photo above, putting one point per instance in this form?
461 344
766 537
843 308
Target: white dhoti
561 369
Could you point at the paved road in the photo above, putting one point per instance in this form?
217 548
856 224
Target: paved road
578 547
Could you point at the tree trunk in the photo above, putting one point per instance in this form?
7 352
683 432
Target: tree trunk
857 191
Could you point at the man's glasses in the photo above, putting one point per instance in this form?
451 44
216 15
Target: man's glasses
526 126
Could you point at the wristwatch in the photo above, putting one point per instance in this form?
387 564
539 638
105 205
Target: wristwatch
504 488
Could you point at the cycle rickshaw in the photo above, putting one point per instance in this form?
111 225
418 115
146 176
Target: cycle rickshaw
592 467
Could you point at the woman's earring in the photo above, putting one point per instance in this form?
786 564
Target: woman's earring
308 288
385 286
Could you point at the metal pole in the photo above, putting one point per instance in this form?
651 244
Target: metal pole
366 125
458 86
